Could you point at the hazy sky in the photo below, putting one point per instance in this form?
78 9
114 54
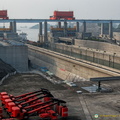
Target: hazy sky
83 9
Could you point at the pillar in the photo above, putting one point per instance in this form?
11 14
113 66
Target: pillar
110 30
102 29
65 29
99 86
11 26
59 24
84 29
77 27
40 28
14 26
40 33
45 32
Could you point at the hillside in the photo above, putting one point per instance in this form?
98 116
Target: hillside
37 26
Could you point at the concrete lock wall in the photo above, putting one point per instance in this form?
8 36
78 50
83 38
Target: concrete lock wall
16 56
116 35
98 45
64 67
97 56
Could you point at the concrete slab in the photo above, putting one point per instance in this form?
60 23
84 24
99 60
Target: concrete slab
91 89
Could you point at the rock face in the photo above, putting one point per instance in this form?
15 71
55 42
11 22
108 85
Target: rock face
16 55
35 26
5 69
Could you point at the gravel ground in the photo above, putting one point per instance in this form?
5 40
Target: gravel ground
23 83
106 105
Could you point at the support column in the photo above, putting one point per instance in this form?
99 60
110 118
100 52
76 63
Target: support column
40 33
99 86
84 29
59 24
45 32
110 30
11 26
65 29
14 26
102 29
40 28
77 27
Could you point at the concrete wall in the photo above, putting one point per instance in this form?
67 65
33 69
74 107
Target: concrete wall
98 45
16 56
100 57
63 67
116 35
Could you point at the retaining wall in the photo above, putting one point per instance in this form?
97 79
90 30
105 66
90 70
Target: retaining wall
97 56
63 67
98 45
5 77
16 56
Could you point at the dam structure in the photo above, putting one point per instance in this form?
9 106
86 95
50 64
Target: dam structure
65 54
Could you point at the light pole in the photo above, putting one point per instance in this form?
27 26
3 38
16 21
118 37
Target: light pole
86 53
80 52
71 50
62 48
103 56
109 60
113 59
93 56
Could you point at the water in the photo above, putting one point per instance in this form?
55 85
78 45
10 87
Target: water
32 34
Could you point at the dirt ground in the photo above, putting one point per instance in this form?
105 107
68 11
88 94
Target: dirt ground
81 106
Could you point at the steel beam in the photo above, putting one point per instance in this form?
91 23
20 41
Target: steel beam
48 20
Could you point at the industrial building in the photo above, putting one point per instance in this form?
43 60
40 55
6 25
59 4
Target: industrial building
62 31
66 15
10 32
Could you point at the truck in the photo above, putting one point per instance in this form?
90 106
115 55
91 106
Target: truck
66 15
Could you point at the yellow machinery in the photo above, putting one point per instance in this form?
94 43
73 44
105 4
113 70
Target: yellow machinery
56 29
61 29
5 29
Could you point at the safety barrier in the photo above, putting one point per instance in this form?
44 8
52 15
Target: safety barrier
5 77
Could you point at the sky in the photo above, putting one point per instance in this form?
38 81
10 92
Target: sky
42 9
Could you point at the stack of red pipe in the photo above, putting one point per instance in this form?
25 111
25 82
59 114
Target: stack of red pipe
40 103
